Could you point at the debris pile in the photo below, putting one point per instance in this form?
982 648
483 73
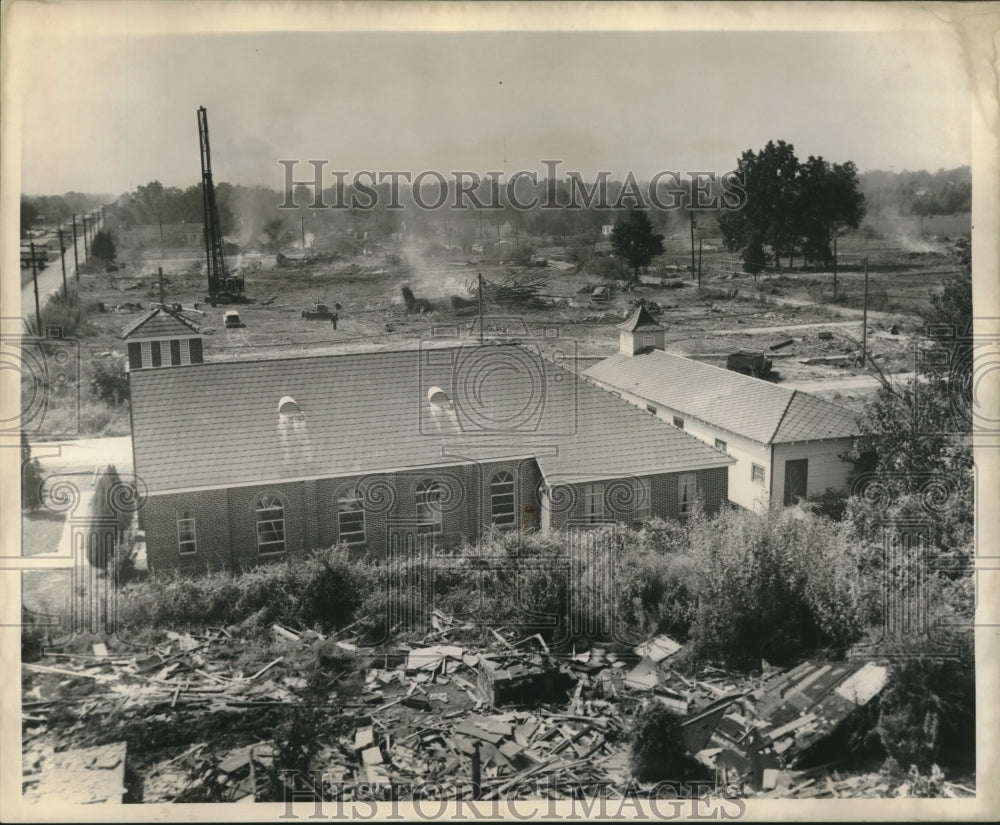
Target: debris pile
520 286
475 711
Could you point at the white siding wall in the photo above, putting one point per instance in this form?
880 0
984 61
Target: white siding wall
742 489
826 470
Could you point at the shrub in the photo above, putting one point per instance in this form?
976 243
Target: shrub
657 751
776 587
928 709
31 478
831 504
323 589
108 381
34 637
69 314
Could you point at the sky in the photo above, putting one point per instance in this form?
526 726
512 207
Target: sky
107 114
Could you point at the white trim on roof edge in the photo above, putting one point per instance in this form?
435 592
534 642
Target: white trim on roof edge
429 468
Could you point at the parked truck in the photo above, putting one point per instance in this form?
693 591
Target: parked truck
749 363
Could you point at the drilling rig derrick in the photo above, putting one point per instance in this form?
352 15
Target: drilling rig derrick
223 287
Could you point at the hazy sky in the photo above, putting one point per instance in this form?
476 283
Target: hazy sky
105 115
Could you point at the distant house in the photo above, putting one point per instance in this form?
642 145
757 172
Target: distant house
245 461
786 443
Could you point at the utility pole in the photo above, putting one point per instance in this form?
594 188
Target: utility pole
161 228
864 322
693 270
834 267
62 259
34 278
76 260
480 278
86 249
699 261
159 273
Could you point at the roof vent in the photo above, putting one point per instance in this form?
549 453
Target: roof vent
437 397
289 410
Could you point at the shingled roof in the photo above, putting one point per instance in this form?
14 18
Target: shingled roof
746 406
160 322
217 425
641 320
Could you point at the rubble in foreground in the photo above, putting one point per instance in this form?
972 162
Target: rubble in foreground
472 716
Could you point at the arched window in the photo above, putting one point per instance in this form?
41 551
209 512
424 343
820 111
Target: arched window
351 518
428 498
502 509
269 513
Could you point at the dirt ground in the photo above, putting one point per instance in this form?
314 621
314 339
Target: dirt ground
726 313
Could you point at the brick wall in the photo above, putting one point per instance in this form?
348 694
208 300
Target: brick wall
712 487
225 521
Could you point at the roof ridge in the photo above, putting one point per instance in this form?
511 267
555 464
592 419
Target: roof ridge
152 313
739 376
781 417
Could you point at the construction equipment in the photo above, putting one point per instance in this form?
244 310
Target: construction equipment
318 312
223 287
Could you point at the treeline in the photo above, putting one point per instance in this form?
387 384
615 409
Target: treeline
945 192
52 209
565 210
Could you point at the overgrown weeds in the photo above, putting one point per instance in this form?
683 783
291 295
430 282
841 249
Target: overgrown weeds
322 590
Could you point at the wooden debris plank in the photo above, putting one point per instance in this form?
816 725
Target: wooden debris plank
264 669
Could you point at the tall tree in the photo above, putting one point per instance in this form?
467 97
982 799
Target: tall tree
770 179
31 478
103 247
828 199
634 239
29 215
793 205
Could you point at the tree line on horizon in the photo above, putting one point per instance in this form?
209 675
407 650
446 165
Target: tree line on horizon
819 197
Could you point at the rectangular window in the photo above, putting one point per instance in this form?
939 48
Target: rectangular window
643 492
351 519
757 474
648 340
134 356
155 349
687 491
720 444
678 422
651 409
270 516
195 350
593 502
187 541
185 352
146 351
175 353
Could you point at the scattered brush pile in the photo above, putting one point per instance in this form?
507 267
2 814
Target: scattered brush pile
517 287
